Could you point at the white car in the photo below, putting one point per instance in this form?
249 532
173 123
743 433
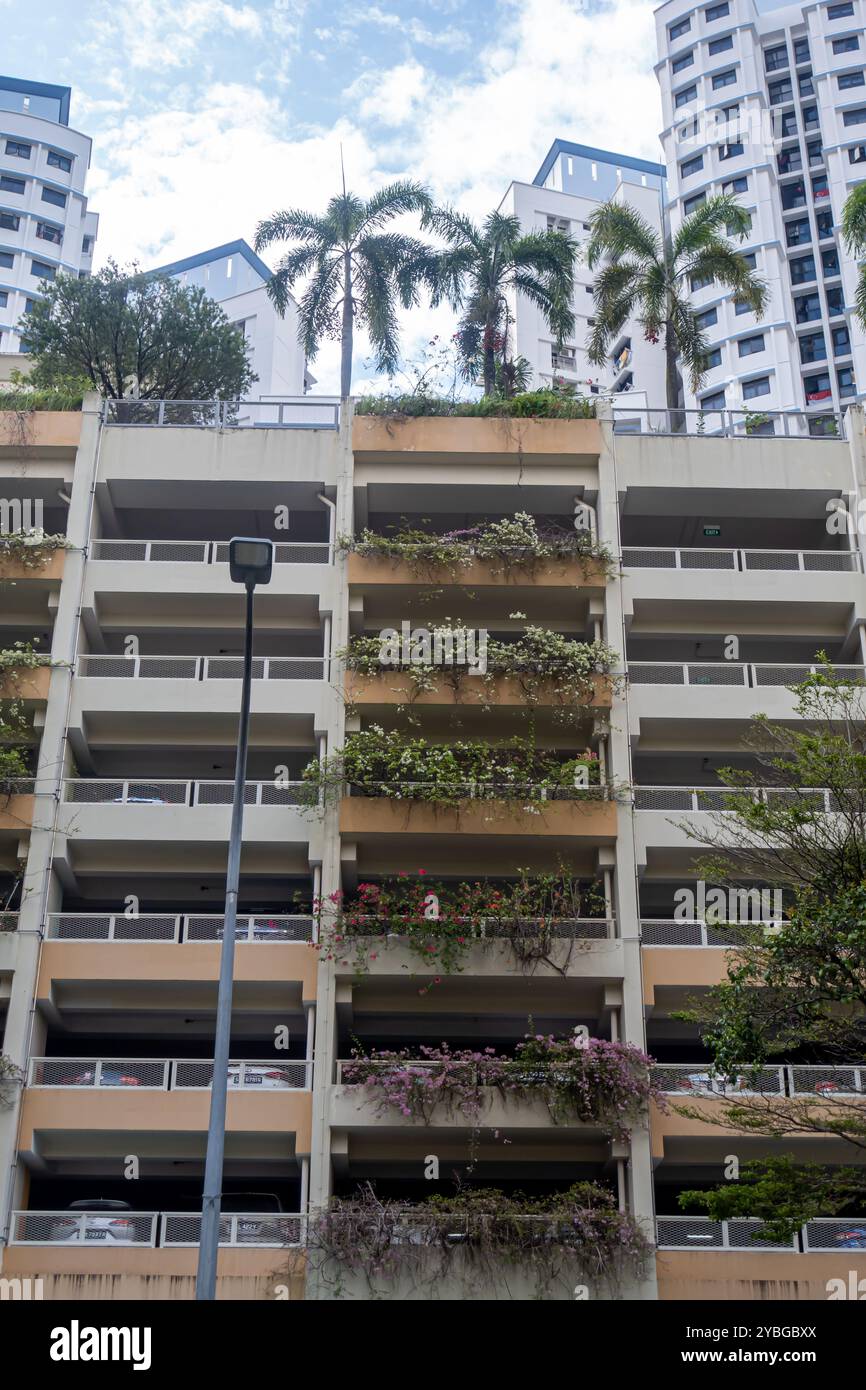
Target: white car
265 1078
107 1221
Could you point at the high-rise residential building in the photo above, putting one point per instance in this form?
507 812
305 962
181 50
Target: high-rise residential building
113 846
572 182
236 278
45 225
769 103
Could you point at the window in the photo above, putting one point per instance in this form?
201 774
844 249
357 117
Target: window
716 401
849 44
810 118
707 319
4 299
801 51
18 150
813 348
731 151
10 185
824 223
815 152
835 302
847 384
847 80
789 123
789 161
857 154
798 233
841 341
747 347
9 221
28 305
677 30
855 117
742 306
803 270
60 161
721 45
738 185
53 195
700 282
692 166
42 270
840 11
688 130
758 386
691 204
750 258
804 83
7 260
775 58
685 95
817 387
793 195
713 359
780 91
724 79
820 187
716 12
87 245
49 233
807 308
680 64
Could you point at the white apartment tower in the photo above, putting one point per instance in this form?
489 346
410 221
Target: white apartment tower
571 183
45 225
770 103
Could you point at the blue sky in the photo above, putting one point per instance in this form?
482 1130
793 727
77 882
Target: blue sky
209 114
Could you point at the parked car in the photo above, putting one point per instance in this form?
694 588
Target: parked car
109 1076
106 1220
265 1078
145 796
252 1229
852 1239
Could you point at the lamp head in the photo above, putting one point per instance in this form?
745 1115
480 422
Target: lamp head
250 560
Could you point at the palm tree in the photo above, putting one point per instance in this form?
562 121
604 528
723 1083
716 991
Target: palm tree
480 267
854 232
647 276
358 272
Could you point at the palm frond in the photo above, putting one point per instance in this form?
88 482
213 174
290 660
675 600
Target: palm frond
854 220
293 225
318 312
705 224
393 200
618 230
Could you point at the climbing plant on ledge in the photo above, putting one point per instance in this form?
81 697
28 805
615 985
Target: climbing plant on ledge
32 549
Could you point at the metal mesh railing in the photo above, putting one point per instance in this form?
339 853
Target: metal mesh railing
273 668
243 1076
159 552
288 413
102 791
738 673
255 794
285 553
252 1228
729 424
660 931
785 561
295 927
697 1079
96 1072
676 558
700 1233
827 1081
86 926
835 1233
105 1228
200 667
8 921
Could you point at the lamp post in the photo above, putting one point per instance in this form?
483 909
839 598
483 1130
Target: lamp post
250 563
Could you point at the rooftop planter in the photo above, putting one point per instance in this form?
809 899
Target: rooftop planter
24 673
32 552
528 405
479 1239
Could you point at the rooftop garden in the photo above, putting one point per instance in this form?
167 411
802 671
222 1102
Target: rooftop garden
527 405
23 401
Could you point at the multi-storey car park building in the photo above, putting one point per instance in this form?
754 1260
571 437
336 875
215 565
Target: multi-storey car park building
109 957
572 182
45 225
769 103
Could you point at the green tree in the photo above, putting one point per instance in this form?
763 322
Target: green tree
647 276
481 268
358 271
854 233
127 332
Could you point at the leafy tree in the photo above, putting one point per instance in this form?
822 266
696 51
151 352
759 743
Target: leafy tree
854 233
127 332
358 271
647 276
479 270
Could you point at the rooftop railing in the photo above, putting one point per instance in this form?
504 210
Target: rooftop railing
161 1074
743 1234
665 931
721 798
202 552
796 1082
201 668
182 927
108 1229
290 413
741 561
745 673
730 424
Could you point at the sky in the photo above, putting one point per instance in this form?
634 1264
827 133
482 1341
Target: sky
207 115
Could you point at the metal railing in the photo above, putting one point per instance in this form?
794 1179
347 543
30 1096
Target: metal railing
742 673
161 1074
200 668
697 1079
834 1233
730 424
742 561
664 931
290 413
126 792
722 798
106 1229
203 552
183 927
700 1233
8 922
826 1082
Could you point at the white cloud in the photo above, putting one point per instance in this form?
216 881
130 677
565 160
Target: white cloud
393 98
162 34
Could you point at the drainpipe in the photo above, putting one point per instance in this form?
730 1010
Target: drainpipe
332 520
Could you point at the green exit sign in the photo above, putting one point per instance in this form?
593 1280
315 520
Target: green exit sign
712 530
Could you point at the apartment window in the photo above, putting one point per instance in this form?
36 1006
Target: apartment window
830 261
817 387
742 306
815 152
700 282
54 196
60 161
849 44
724 79
824 223
750 258
780 91
29 305
803 270
713 359
758 386
87 245
9 222
820 187
855 117
813 348
840 11
835 302
46 232
810 118
4 299
688 130
793 195
42 270
7 260
716 401
801 51
797 233
691 204
685 61
708 319
717 12
10 185
738 185
789 123
807 308
847 384
18 150
857 154
692 166
685 95
841 341
677 30
847 80
747 347
775 58
731 151
789 161
805 86
721 45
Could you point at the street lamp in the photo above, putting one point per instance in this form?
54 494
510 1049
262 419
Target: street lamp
250 563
